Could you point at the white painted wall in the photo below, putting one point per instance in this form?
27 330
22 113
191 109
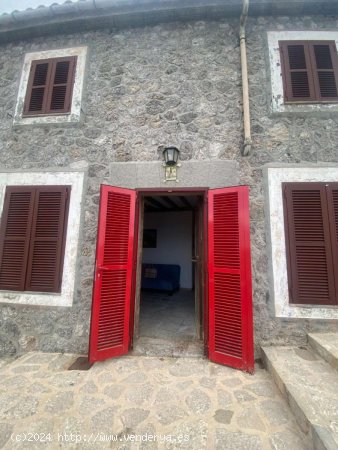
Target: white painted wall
174 242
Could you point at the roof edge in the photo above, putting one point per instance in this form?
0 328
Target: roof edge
86 15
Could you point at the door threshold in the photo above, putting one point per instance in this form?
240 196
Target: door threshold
147 346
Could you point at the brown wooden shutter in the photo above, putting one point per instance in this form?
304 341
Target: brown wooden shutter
296 71
61 85
50 86
325 69
332 200
308 244
15 235
37 88
44 267
309 71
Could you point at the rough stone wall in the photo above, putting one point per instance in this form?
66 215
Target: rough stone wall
147 87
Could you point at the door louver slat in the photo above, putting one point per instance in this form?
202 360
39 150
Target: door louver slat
300 84
61 72
58 97
335 209
40 75
230 308
36 101
112 287
323 56
113 305
327 84
226 244
298 65
223 320
296 57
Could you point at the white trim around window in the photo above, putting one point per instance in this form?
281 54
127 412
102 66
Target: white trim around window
274 177
76 181
277 93
76 107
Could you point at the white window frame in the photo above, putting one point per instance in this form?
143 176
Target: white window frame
277 92
75 180
273 178
74 116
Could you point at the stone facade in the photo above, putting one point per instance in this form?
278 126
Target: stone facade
180 84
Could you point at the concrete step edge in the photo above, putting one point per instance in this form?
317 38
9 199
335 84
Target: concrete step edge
321 437
322 351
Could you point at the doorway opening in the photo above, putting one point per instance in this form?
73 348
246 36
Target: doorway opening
169 303
223 317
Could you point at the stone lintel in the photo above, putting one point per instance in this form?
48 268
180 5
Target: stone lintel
206 173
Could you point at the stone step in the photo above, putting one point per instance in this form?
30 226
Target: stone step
326 345
148 346
310 386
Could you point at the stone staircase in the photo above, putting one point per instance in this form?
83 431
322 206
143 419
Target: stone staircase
308 379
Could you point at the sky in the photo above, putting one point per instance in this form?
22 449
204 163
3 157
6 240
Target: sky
8 6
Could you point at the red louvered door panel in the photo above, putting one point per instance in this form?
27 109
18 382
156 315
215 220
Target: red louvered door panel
109 334
14 243
229 272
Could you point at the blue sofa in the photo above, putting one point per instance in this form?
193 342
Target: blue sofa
164 277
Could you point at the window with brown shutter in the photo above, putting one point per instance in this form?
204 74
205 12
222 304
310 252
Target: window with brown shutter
50 86
311 231
32 238
309 71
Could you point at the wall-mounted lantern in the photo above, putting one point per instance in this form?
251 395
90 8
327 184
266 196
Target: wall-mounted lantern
171 155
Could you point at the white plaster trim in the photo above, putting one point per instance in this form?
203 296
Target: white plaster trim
75 113
275 177
75 180
277 103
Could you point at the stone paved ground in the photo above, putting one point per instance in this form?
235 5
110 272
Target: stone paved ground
205 405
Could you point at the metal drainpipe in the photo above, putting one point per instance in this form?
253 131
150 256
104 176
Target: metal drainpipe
245 84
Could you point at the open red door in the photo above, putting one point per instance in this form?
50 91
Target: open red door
229 271
109 334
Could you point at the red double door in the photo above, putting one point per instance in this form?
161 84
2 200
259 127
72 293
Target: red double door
229 323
